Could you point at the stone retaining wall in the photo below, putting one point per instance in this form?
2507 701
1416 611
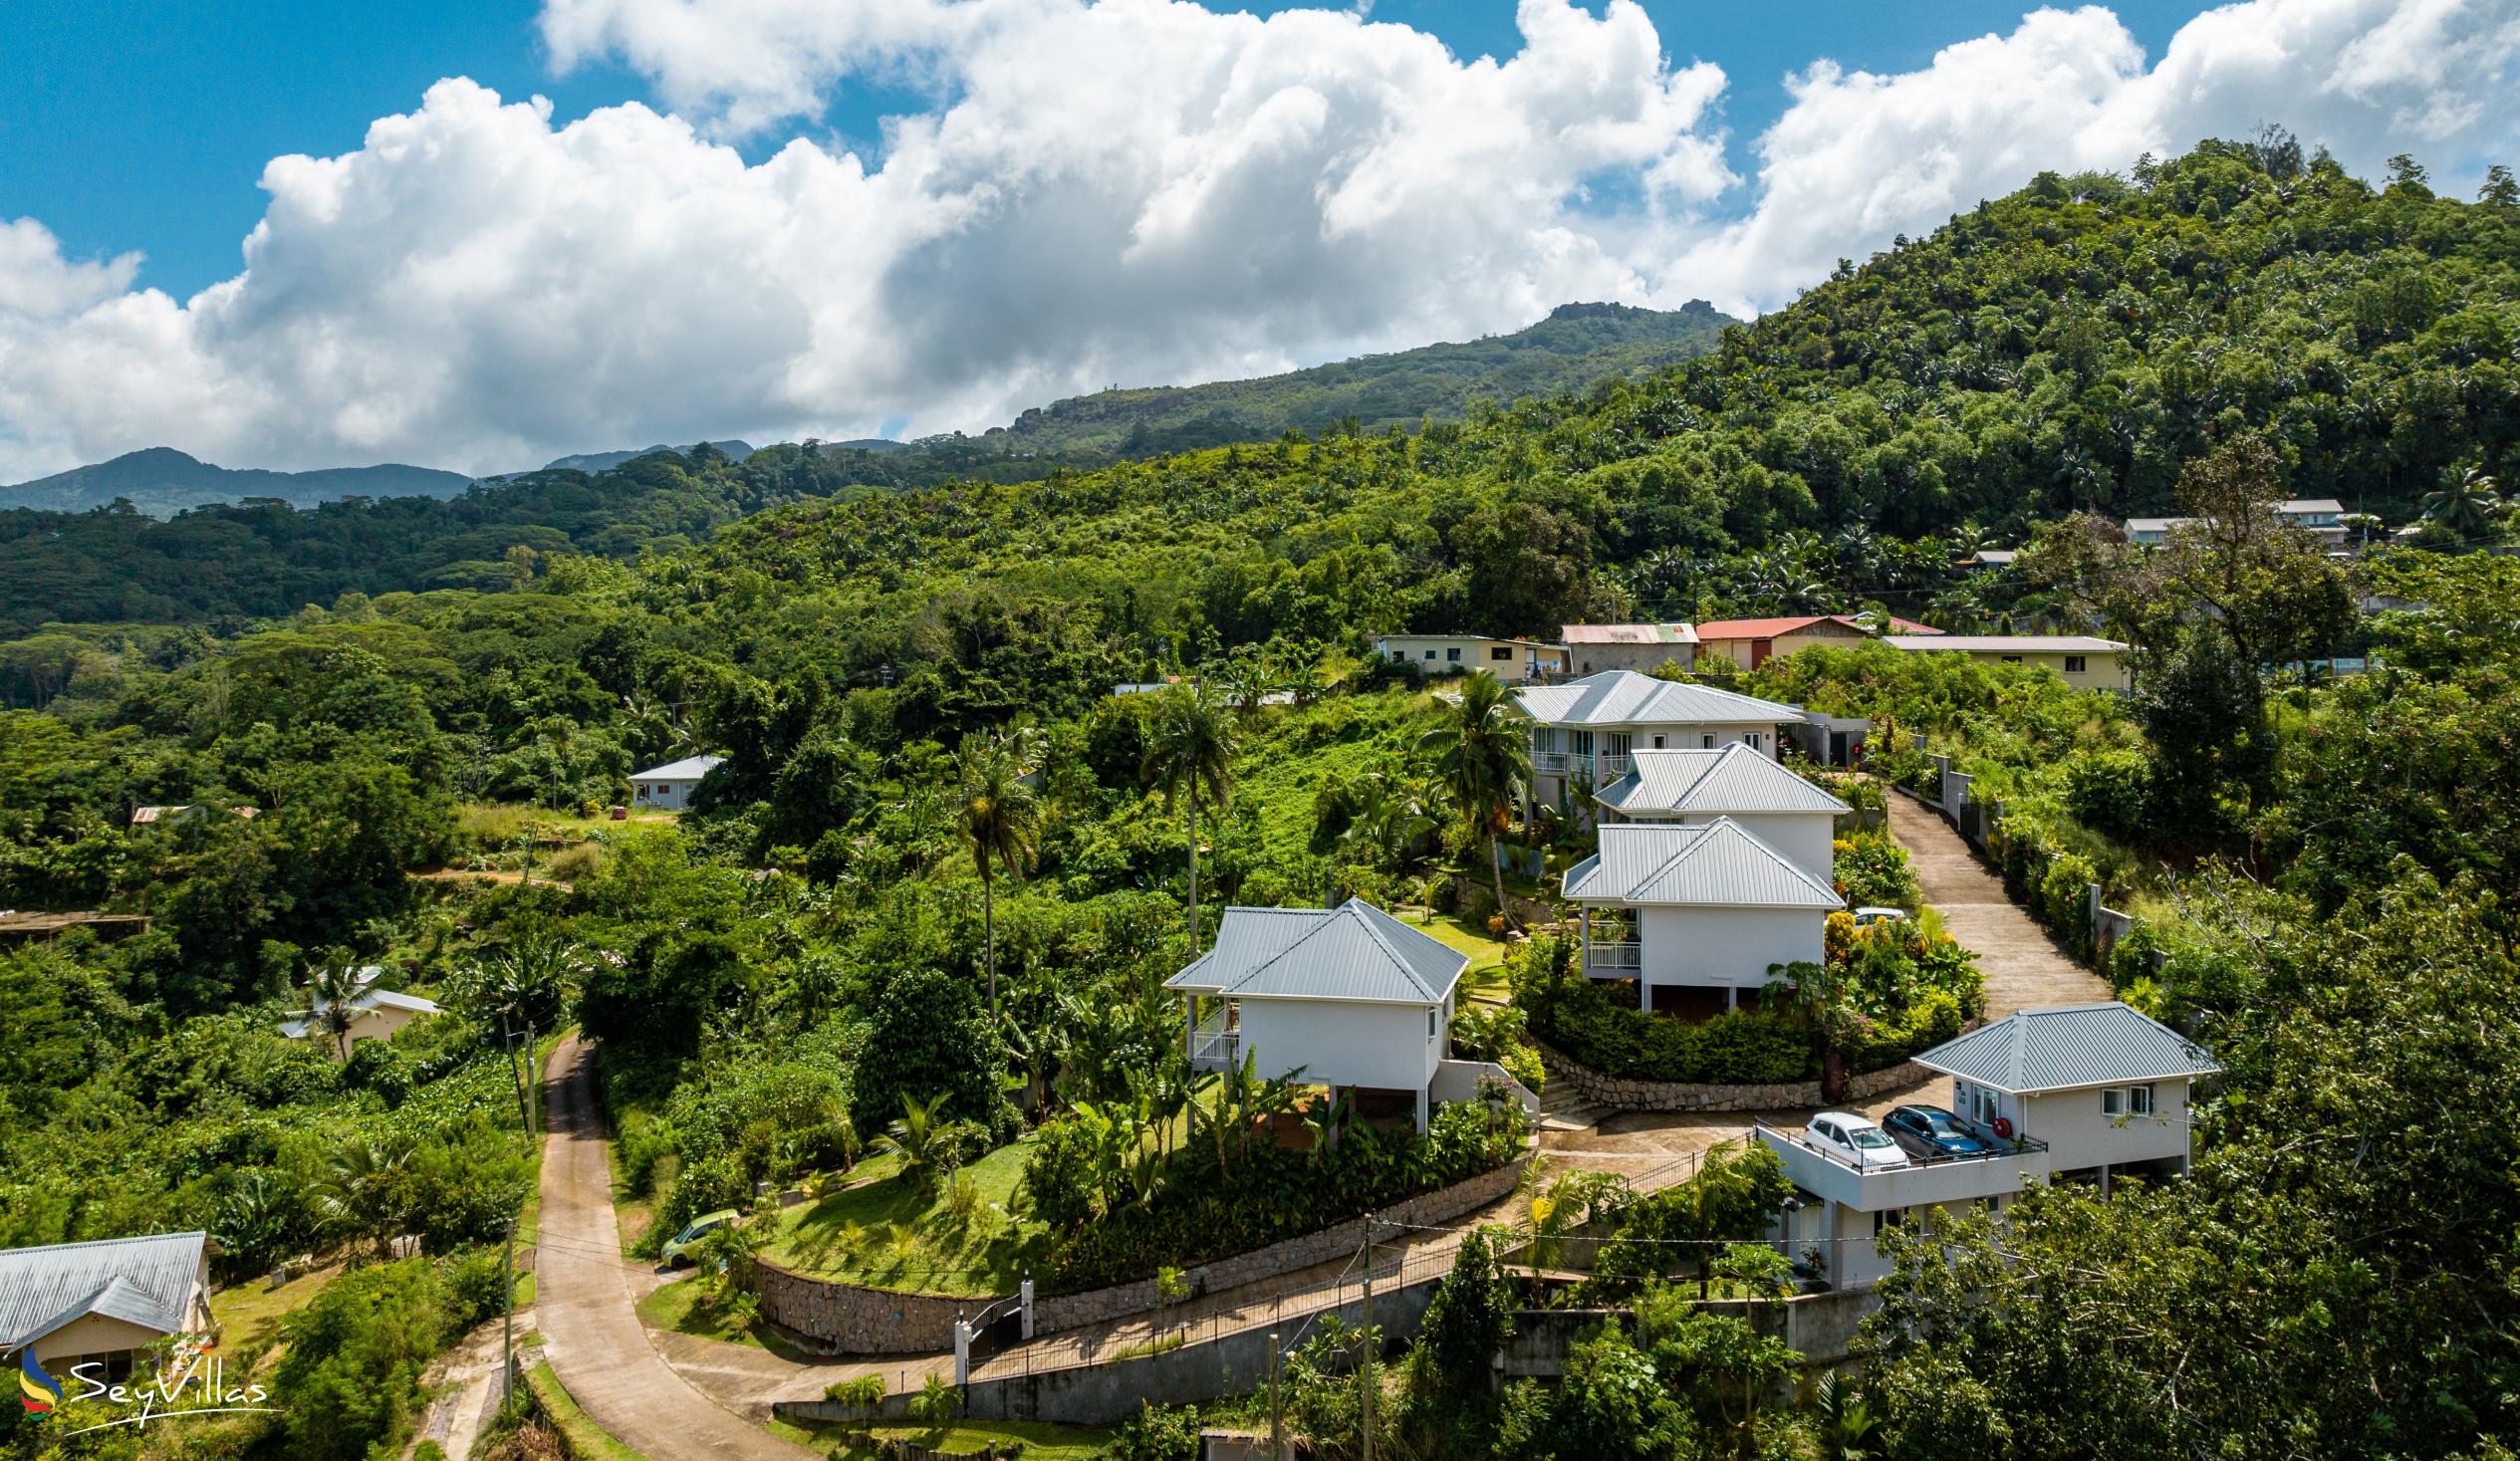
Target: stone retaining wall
1617 1093
862 1321
855 1319
1073 1311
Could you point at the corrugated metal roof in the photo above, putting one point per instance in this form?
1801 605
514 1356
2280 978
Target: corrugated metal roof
145 1280
368 998
2008 643
1355 951
1629 633
1731 780
690 768
1625 697
2068 1047
1720 864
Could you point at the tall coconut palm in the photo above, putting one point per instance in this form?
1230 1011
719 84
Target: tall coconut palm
333 987
999 816
1483 757
2463 506
1190 753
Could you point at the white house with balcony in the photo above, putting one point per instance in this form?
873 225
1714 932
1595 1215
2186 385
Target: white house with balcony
1352 997
1697 914
1585 731
2079 1092
1694 788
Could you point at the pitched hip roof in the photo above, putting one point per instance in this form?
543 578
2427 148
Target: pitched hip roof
1769 628
146 1281
1720 864
690 768
2067 1048
1625 697
368 998
1731 780
1355 951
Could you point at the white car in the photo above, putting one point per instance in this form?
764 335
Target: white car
1859 1140
1865 917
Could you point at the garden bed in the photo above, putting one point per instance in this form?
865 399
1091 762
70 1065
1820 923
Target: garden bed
1628 1094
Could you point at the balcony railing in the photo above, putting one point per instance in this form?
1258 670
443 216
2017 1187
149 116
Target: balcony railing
1616 956
1606 765
1213 1047
1548 761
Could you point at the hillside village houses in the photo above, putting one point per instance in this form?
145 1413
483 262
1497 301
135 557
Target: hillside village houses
2086 661
104 1304
377 1014
1351 997
668 787
2080 1093
2321 516
1747 643
1510 660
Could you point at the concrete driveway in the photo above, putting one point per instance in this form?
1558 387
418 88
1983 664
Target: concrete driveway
2024 967
584 1297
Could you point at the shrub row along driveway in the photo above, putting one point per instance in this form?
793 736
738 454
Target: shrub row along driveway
2025 970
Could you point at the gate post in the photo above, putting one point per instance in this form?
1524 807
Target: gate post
962 1351
1028 1305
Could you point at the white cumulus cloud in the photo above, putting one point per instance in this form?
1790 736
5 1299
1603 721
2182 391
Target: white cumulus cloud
1141 190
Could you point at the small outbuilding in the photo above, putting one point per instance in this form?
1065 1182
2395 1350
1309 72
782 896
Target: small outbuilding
93 1308
668 787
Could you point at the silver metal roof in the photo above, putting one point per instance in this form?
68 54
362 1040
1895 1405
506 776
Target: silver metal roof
2008 643
369 997
1355 951
2068 1047
144 1281
1731 780
1629 633
1616 697
1719 864
690 768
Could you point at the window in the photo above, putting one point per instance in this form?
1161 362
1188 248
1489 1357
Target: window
2126 1100
2113 1102
1500 651
1658 743
1754 740
1708 742
1454 655
1399 656
2073 665
2139 1101
2012 660
1431 1024
1431 655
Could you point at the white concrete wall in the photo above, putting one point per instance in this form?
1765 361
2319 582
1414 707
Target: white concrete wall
1807 839
674 796
1345 1041
1856 1257
1643 658
2079 1135
1715 947
91 1335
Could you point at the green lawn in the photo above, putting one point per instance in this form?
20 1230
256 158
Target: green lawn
681 1308
249 1314
1485 978
1041 1441
585 1440
886 1234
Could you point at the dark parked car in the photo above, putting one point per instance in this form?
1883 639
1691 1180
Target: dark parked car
1931 1131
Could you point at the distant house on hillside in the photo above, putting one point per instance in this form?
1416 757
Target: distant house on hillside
668 787
1584 731
183 813
377 1014
1751 642
1353 997
1697 914
103 1304
1510 660
2322 518
2086 661
1640 648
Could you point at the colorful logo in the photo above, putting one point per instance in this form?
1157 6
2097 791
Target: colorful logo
43 1393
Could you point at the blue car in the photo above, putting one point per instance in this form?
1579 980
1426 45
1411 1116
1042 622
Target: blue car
1930 1131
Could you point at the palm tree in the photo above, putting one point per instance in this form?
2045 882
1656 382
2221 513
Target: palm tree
1483 758
925 1142
333 988
361 1190
1190 751
528 981
1000 821
2465 505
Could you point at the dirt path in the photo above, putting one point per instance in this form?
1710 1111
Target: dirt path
2025 970
591 1330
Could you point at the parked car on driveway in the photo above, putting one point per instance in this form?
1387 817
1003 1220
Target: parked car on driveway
1928 1132
677 1248
1856 1139
1866 917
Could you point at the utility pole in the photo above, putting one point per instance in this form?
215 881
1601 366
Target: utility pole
506 1331
507 1037
1277 1422
533 1107
1365 1364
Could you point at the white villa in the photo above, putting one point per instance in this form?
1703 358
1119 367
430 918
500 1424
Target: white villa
1697 914
1695 787
2321 516
1585 731
668 787
377 1014
1352 997
2077 1093
103 1304
1510 660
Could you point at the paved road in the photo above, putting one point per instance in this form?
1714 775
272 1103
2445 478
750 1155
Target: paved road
590 1328
2025 970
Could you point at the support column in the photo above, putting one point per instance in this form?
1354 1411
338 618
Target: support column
1422 1110
2103 1179
1588 941
1732 998
1189 1025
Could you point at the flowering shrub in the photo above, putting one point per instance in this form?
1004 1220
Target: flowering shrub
1596 1027
1872 871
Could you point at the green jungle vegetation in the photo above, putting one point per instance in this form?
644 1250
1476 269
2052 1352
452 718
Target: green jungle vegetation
924 906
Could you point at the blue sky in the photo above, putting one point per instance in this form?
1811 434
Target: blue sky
144 125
